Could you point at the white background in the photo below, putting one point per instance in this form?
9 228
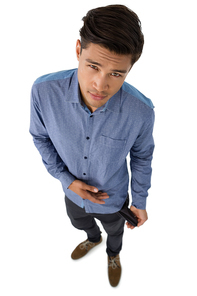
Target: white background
38 37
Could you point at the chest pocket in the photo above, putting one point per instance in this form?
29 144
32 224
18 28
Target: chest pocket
109 150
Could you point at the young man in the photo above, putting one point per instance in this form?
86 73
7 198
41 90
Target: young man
84 122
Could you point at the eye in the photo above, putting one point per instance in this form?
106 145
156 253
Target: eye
93 67
116 75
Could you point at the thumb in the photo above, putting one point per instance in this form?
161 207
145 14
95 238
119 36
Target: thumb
92 188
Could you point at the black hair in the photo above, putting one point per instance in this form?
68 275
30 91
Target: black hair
114 27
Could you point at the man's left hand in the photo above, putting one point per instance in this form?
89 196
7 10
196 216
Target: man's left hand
140 214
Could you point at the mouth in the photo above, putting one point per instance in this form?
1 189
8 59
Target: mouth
97 97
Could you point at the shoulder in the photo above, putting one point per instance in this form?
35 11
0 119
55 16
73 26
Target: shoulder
135 96
52 87
136 107
61 75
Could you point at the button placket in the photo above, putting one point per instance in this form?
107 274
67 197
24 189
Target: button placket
87 147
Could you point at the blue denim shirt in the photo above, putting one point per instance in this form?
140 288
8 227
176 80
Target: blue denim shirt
92 147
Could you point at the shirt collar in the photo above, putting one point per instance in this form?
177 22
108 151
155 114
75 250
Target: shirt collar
73 90
114 102
74 95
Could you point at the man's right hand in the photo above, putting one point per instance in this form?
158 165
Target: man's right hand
88 192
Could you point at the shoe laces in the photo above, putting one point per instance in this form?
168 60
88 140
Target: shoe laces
86 245
113 262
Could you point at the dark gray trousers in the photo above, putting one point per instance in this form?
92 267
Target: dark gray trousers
112 223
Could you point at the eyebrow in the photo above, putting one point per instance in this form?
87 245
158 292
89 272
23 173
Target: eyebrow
98 64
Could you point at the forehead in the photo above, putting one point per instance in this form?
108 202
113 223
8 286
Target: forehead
104 56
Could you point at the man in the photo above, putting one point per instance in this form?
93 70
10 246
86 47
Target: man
85 121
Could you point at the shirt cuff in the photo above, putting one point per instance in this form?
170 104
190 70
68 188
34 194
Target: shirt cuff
66 179
139 204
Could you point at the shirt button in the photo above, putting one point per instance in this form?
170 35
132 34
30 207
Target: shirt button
87 138
91 116
85 157
84 174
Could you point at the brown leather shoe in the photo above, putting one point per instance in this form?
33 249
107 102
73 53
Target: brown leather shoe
83 248
114 270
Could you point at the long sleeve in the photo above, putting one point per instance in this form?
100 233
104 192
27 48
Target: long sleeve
77 145
141 158
43 143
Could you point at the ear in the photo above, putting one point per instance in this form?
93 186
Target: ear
78 49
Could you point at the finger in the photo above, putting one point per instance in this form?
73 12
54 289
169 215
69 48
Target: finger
91 188
129 225
100 196
97 201
140 223
102 193
91 197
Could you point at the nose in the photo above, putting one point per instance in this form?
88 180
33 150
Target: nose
100 83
